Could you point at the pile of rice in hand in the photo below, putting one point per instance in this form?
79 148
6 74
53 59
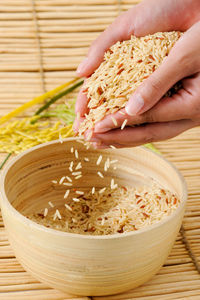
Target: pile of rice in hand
125 66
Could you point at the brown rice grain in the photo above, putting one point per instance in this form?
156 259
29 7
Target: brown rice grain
100 174
124 124
68 207
99 160
50 204
66 194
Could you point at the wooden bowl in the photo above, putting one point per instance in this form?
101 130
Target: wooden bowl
81 264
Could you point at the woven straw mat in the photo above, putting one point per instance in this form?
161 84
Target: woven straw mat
41 44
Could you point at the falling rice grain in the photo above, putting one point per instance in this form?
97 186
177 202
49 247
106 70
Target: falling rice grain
114 161
100 174
72 149
93 190
124 124
67 183
68 207
76 153
86 159
50 204
66 194
121 112
57 215
106 166
60 138
54 181
68 178
45 212
102 190
99 160
76 173
62 180
71 166
79 166
112 184
75 199
77 177
79 192
114 120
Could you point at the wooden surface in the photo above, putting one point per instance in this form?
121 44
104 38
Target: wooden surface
66 29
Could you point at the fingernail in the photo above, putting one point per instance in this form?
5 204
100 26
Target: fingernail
134 105
82 66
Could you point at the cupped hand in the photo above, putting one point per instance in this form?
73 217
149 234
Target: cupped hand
163 118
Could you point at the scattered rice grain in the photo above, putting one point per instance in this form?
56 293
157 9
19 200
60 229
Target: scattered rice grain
50 204
79 166
76 199
68 207
79 176
60 138
67 183
80 192
124 124
114 120
121 112
62 180
57 215
102 190
114 161
66 194
76 153
112 184
68 178
76 173
99 160
45 212
100 174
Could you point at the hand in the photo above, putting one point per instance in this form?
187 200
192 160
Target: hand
183 61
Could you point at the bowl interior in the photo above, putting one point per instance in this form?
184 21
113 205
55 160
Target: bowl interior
28 178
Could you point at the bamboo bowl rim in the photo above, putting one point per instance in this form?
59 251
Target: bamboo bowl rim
30 223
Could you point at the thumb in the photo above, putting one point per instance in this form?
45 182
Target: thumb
156 85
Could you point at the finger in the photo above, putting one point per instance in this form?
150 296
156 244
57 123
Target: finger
182 105
181 62
81 102
143 134
113 121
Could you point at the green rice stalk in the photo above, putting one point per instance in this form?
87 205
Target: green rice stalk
5 160
58 96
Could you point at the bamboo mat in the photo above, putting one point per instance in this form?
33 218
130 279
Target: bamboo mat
41 44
